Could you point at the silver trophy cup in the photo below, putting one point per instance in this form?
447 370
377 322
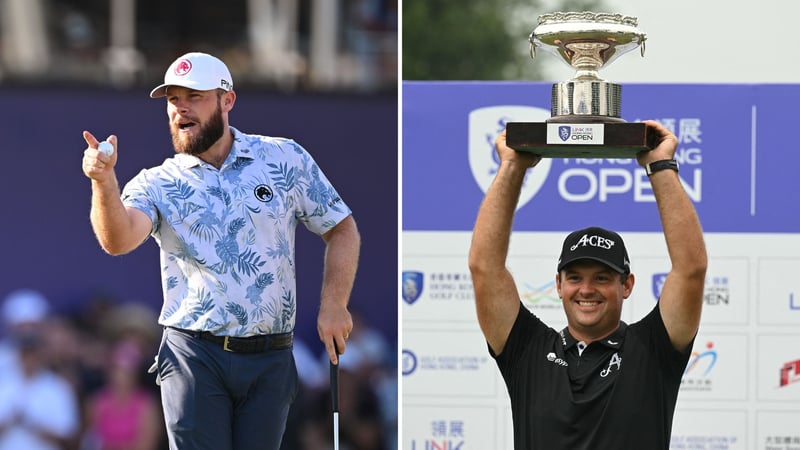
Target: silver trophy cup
585 111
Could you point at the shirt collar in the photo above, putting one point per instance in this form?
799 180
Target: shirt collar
614 340
238 150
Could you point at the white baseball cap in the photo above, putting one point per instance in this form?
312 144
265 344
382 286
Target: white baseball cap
199 71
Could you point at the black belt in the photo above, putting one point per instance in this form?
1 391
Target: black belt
250 344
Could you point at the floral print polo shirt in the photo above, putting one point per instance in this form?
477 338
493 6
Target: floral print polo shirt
227 235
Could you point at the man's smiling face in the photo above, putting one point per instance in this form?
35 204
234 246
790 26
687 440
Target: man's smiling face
592 294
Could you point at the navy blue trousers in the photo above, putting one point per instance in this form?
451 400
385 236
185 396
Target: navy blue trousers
217 400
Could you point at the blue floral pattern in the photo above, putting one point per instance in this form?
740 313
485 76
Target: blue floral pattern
227 236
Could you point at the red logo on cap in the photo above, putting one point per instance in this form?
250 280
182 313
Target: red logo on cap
183 67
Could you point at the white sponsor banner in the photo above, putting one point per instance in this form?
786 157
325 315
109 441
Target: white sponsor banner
717 368
778 368
724 296
448 427
447 363
437 288
536 283
778 430
709 430
779 291
726 292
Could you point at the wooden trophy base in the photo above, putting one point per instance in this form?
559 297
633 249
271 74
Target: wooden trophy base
590 139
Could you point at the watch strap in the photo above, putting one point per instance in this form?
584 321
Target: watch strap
663 164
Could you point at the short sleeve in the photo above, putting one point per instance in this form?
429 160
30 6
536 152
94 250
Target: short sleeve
652 329
136 194
525 328
319 206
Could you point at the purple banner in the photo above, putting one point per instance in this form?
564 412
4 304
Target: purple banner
47 237
736 151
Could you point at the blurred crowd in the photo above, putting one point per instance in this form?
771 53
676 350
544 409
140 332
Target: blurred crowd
343 45
79 382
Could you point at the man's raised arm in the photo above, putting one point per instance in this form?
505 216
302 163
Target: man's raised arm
119 230
496 296
681 299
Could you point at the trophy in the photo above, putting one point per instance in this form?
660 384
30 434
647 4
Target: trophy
585 117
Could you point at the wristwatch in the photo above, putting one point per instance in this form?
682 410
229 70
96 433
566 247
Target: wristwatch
663 164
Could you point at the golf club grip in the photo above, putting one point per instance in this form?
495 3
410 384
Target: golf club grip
335 387
335 380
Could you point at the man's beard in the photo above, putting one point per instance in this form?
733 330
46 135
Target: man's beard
210 132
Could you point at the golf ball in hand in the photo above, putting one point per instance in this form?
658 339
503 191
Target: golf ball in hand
105 148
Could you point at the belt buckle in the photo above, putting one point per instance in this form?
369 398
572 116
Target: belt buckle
225 344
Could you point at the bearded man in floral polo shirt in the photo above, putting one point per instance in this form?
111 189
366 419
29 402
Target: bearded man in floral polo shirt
223 211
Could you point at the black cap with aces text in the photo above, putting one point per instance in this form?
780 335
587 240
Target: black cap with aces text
597 244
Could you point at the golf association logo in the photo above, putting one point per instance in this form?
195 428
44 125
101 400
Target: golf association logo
485 124
409 362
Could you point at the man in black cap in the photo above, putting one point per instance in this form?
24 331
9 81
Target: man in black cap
598 383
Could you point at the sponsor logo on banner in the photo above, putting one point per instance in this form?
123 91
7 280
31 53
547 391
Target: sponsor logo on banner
581 180
658 284
409 362
440 286
413 282
717 290
485 124
704 442
444 435
701 363
709 430
540 297
414 362
782 442
790 373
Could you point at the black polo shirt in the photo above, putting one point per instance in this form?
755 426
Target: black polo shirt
619 394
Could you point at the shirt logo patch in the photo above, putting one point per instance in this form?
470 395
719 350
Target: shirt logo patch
615 361
556 360
263 193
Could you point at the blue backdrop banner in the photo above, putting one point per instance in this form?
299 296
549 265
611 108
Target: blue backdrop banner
737 153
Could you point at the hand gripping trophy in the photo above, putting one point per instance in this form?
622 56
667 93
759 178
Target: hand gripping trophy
585 117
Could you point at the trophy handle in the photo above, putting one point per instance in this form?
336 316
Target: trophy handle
532 47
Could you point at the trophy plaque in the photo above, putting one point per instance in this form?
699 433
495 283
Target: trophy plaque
585 117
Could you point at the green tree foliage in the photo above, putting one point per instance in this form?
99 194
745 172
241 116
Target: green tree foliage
472 39
456 40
